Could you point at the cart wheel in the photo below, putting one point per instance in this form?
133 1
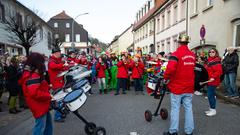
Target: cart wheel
90 128
148 116
99 131
164 113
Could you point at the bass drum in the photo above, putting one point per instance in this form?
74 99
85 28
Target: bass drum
82 84
75 99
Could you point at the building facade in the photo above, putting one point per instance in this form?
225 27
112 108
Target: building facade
170 20
69 32
122 42
221 21
13 8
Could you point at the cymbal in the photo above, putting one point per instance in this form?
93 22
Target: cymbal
82 75
151 62
62 73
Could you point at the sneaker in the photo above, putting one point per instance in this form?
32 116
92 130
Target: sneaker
12 111
197 93
212 112
124 92
206 112
189 134
226 96
116 94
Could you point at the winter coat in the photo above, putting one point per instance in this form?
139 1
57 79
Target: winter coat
122 69
12 77
137 69
230 63
180 71
55 67
214 68
101 70
36 93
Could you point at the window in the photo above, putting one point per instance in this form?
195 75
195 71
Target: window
158 25
77 37
55 25
175 14
67 38
193 6
2 13
237 35
168 18
162 46
19 19
56 36
163 22
183 9
67 25
41 33
209 2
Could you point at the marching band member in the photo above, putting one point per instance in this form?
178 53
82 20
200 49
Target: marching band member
114 68
101 66
137 67
180 73
55 67
122 74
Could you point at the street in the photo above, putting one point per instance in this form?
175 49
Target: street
123 114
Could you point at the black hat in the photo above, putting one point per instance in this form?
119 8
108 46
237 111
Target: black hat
56 50
161 53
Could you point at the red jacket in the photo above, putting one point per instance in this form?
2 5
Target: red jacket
180 71
36 93
55 66
122 70
214 68
101 70
137 69
83 61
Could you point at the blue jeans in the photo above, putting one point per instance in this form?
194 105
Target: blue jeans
230 84
211 92
138 84
186 100
121 83
43 125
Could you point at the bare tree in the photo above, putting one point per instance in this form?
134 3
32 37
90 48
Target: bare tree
22 34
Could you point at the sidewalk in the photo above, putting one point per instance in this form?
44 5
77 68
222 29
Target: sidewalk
9 121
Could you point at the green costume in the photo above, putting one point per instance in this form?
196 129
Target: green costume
114 69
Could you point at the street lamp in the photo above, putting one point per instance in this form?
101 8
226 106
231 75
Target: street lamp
73 45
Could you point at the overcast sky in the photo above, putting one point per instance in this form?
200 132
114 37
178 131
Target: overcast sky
106 19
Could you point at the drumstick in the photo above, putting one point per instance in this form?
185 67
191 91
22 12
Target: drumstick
201 83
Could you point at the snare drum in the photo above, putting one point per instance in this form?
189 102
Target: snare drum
59 95
75 99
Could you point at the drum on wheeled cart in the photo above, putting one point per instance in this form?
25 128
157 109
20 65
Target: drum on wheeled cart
157 83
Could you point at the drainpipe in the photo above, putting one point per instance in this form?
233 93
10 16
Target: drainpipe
154 34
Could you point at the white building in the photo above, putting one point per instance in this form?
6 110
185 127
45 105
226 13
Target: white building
143 27
170 20
123 42
23 14
221 19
